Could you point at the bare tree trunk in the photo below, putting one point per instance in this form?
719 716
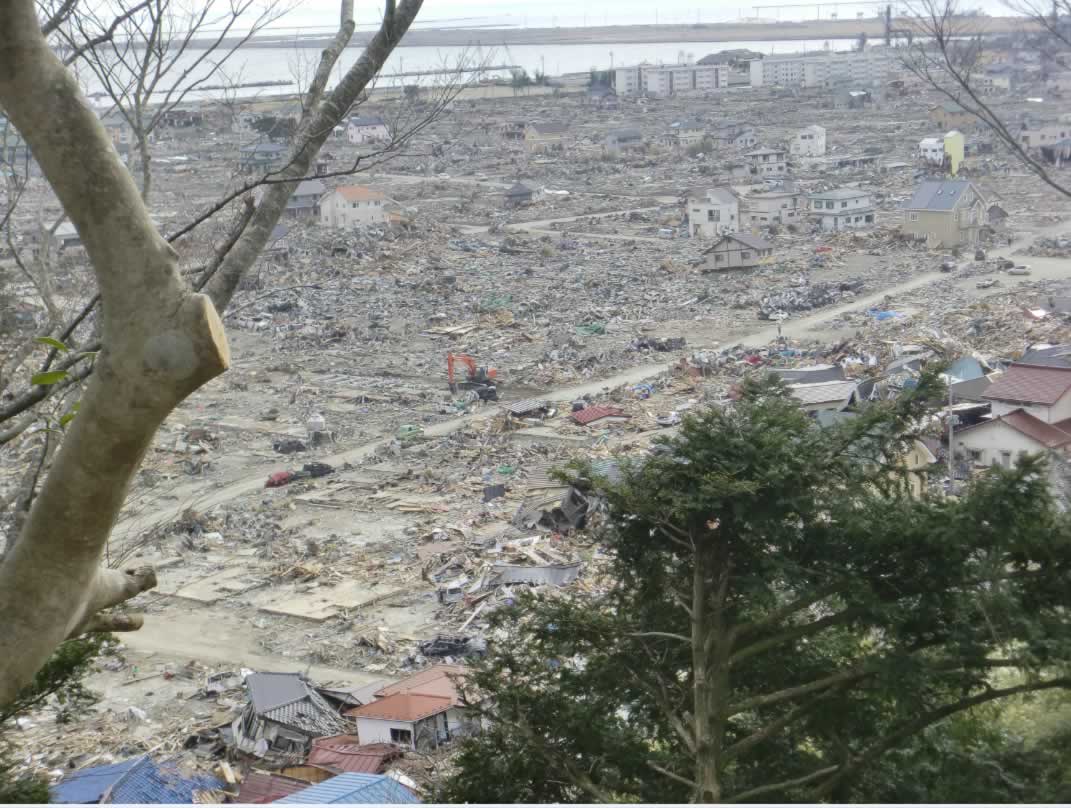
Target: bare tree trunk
707 737
161 340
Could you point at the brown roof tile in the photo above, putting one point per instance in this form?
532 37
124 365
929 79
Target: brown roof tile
344 753
1048 435
1031 384
402 707
358 193
262 787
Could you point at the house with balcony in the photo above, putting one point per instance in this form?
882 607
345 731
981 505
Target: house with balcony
768 162
841 209
945 213
713 212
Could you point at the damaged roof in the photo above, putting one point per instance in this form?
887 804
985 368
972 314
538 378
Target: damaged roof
402 707
288 698
346 753
87 786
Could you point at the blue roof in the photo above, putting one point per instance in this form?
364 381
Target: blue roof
86 786
355 789
148 781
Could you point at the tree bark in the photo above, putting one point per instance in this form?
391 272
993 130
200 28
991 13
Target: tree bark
705 675
161 342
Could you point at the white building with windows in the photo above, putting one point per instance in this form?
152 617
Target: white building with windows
841 209
350 206
367 129
932 150
809 142
713 212
666 80
871 67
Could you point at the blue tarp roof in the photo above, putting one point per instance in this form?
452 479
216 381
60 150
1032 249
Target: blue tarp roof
148 781
86 786
355 789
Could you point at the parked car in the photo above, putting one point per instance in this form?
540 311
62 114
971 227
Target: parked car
989 283
1022 269
948 265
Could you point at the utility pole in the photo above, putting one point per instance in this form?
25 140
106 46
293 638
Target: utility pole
951 447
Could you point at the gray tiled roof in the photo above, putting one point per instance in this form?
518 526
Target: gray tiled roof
839 193
754 242
937 195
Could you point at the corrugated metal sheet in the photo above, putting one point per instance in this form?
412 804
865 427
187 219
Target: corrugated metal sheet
355 789
368 759
527 405
552 574
263 787
88 785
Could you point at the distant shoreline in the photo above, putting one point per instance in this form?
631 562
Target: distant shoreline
873 27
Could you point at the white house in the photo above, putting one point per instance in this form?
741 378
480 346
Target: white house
1041 390
932 150
366 129
352 206
768 162
713 212
841 208
1001 441
419 713
809 142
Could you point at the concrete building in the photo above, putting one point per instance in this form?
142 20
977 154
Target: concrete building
841 209
367 129
1047 134
737 251
871 67
713 212
932 151
945 213
809 142
666 80
351 206
768 162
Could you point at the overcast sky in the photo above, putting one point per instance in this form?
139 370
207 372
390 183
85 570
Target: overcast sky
546 12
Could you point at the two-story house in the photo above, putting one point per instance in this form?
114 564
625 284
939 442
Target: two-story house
367 129
841 208
544 136
771 207
1031 409
768 162
305 201
713 212
945 213
351 206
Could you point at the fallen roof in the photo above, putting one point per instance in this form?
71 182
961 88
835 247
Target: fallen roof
1033 384
310 187
402 707
147 781
1021 421
813 374
87 786
591 414
1057 356
353 757
355 789
288 698
823 392
264 787
270 690
368 120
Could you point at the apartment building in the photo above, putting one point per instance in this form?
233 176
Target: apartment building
666 80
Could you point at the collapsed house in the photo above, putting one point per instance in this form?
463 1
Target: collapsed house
283 716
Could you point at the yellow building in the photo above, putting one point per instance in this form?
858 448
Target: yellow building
954 151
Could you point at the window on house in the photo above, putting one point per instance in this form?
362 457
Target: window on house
718 258
401 736
1005 459
913 217
844 204
745 254
976 455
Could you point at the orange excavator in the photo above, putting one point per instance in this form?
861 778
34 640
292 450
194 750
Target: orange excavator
479 379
